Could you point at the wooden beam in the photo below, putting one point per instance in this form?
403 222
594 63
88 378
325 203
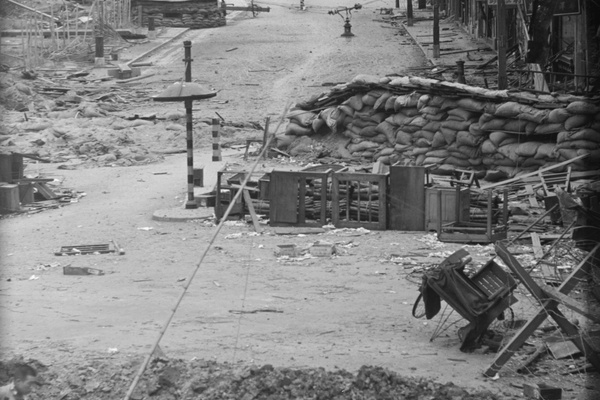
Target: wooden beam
58 22
529 174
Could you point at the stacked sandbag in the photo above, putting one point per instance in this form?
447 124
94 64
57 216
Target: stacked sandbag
413 121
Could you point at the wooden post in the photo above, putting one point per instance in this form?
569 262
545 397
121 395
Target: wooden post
436 29
501 40
409 12
422 4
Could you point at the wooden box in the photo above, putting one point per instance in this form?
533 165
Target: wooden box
448 206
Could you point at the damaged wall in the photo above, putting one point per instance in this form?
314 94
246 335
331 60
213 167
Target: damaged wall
423 121
182 13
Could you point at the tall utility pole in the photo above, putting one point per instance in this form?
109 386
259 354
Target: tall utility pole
501 44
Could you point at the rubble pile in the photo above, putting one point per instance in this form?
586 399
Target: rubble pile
84 126
423 121
171 379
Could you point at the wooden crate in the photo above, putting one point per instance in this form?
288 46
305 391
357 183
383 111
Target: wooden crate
228 183
407 198
448 206
359 200
298 198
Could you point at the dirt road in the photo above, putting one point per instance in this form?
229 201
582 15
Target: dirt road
246 306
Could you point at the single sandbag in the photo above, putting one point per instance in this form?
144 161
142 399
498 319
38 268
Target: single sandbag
515 125
379 138
363 123
399 119
411 111
420 158
438 140
546 151
433 160
369 131
369 100
509 151
423 101
317 125
422 142
403 137
475 130
528 149
488 147
435 117
378 117
470 152
380 103
583 107
458 162
463 114
390 102
423 134
407 101
443 153
449 134
558 115
430 110
433 126
389 130
418 121
547 129
456 125
498 137
399 148
582 134
346 109
355 102
297 130
302 117
577 121
578 144
472 105
361 146
493 125
464 138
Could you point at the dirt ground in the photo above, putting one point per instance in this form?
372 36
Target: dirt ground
246 307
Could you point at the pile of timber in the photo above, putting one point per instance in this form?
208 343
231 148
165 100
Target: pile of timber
422 121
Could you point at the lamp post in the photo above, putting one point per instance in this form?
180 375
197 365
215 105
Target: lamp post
187 92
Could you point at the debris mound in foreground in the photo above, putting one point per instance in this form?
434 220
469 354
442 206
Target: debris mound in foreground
197 379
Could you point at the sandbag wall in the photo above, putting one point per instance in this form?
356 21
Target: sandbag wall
422 121
185 14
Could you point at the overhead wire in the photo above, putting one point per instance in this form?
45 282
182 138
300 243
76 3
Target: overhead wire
203 256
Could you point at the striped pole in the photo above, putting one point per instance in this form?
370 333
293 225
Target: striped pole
216 126
191 202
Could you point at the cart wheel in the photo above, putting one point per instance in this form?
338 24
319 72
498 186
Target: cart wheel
418 310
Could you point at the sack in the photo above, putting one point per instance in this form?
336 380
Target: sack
302 117
380 103
464 138
435 117
515 125
404 138
495 124
423 102
456 125
297 130
558 115
438 153
423 134
488 147
499 138
389 103
583 107
423 143
449 134
355 102
389 130
473 105
546 151
432 126
463 114
430 110
438 140
369 131
407 101
418 121
528 149
458 162
577 121
398 119
546 129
